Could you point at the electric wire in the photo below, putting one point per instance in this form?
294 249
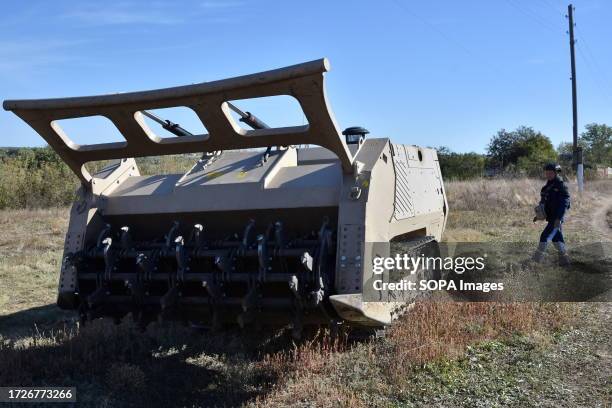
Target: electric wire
589 55
450 39
534 16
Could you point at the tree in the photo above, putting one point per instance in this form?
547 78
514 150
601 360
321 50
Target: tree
460 166
501 148
523 149
597 142
535 148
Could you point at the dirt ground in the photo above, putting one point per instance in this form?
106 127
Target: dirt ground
562 368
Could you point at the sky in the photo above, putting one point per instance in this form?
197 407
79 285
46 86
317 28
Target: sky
435 73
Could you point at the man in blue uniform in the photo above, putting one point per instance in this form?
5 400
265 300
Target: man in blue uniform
554 202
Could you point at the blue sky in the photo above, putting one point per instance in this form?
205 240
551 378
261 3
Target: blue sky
429 73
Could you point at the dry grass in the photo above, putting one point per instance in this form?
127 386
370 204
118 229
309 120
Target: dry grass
445 329
376 372
492 195
31 244
176 366
510 194
502 210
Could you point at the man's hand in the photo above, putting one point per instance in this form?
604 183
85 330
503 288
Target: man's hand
557 223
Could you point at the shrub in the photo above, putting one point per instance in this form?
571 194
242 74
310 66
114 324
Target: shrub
38 178
35 178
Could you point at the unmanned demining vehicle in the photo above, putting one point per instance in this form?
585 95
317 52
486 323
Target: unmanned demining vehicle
263 229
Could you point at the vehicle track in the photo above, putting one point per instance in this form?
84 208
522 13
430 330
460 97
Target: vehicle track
601 220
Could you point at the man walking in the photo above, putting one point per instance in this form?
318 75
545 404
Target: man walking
554 201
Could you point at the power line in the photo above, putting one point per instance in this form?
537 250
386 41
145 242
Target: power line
534 16
597 68
593 78
560 10
434 28
588 58
450 39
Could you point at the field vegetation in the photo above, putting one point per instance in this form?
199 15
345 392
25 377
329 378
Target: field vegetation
438 354
449 354
37 178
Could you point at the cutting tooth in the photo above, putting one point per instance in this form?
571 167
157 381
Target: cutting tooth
316 297
293 285
181 261
142 261
105 233
297 324
196 235
179 250
246 236
126 239
145 263
109 259
222 262
279 239
213 290
306 261
171 235
262 256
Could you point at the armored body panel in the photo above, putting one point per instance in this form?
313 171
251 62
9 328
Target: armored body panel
246 235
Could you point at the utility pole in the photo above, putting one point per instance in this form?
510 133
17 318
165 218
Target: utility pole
577 151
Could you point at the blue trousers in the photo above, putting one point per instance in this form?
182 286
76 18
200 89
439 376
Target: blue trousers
551 233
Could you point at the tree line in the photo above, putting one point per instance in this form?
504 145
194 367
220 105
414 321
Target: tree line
523 152
37 177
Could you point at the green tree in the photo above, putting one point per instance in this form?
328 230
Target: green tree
501 148
597 142
460 166
523 149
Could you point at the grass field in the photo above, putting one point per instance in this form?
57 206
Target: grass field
440 354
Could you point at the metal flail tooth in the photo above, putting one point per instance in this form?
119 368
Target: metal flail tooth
104 233
279 239
126 238
196 235
270 257
109 258
298 306
181 261
262 257
171 235
246 236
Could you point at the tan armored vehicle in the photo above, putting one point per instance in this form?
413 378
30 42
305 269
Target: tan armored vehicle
250 233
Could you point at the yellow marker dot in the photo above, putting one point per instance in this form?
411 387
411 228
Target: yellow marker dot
365 183
242 174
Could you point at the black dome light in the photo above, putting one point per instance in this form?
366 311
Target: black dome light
355 134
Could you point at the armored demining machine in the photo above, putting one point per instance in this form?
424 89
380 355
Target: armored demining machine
273 226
